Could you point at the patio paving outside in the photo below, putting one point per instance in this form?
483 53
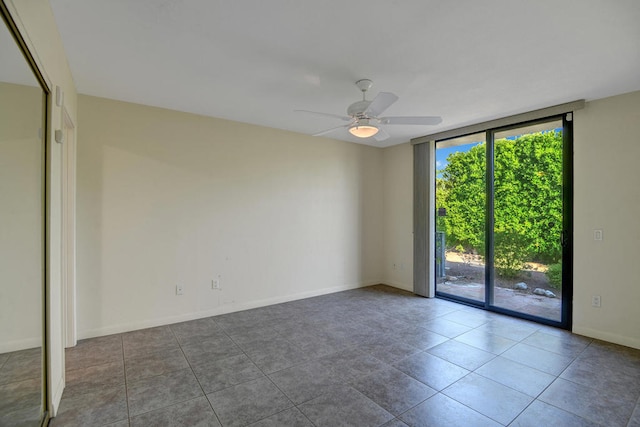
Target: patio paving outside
464 277
512 299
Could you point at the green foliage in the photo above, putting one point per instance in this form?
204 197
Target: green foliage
461 191
554 274
527 202
528 192
510 252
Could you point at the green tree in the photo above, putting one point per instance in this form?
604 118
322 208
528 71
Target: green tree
461 190
527 201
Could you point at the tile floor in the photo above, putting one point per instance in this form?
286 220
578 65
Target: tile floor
374 356
21 388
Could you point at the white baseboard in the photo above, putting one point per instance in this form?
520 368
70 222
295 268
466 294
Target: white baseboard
607 336
408 288
22 344
225 309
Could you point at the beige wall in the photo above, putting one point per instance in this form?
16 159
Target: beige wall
607 197
171 198
398 216
167 198
21 216
235 194
36 23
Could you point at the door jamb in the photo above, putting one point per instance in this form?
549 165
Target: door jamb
68 241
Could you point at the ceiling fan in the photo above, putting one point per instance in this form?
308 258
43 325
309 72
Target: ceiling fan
363 116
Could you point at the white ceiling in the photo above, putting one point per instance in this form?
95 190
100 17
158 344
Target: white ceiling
256 61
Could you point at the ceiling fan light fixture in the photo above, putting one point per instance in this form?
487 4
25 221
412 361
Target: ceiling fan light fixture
364 116
363 130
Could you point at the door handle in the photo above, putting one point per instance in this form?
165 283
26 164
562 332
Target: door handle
564 239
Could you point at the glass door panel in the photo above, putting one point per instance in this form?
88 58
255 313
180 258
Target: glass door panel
460 218
528 220
503 208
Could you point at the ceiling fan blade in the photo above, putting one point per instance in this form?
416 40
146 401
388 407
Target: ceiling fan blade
324 132
380 103
335 116
411 120
381 135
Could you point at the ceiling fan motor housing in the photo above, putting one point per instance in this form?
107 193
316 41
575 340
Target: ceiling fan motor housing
357 109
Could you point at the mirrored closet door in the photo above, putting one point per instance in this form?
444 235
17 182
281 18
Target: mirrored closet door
22 237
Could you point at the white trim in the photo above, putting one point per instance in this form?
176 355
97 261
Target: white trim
607 336
68 232
22 344
401 286
57 396
229 308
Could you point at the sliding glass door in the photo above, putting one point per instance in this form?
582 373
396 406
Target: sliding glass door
503 200
461 217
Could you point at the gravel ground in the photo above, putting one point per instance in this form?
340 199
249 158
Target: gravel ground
466 269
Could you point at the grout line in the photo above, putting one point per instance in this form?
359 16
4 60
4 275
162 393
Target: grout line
126 388
194 374
361 319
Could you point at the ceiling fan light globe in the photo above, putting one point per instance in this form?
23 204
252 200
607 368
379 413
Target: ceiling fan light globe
363 131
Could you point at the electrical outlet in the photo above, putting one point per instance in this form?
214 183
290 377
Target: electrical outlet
597 235
215 284
595 301
179 290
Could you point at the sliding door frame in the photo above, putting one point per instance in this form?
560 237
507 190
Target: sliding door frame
426 258
13 26
567 223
